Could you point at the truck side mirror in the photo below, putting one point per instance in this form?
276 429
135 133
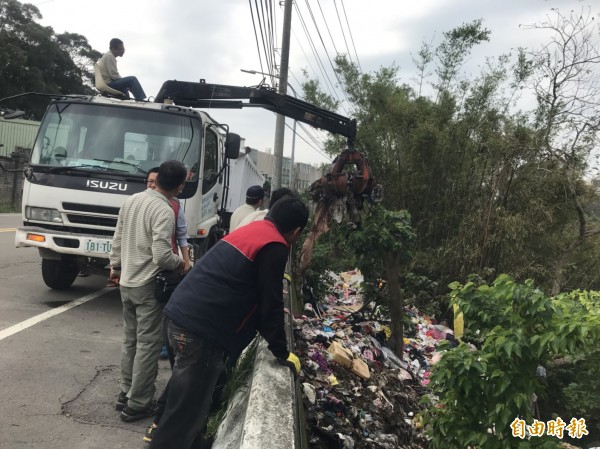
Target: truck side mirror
232 146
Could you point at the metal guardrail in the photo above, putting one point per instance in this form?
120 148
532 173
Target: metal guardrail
299 429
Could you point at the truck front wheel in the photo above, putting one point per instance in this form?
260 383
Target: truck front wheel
201 246
59 274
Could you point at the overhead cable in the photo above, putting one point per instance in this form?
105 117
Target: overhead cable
350 32
326 52
326 77
343 33
325 155
256 36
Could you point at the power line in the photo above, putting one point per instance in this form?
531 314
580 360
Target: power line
304 52
310 145
256 36
275 32
308 130
351 38
326 52
264 37
317 141
272 28
273 40
265 25
269 48
328 30
326 78
296 79
342 30
313 47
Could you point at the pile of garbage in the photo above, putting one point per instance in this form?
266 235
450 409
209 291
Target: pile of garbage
357 393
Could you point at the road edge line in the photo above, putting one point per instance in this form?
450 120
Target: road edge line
16 328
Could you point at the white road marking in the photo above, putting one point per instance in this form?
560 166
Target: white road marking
8 229
50 313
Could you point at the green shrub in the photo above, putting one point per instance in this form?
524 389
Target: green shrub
481 390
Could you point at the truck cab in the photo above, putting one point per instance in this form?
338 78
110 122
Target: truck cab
91 154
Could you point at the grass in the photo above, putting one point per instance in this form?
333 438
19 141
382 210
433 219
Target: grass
8 208
237 378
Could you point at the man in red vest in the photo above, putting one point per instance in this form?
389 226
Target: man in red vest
232 292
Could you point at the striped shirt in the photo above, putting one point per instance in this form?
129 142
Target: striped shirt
142 240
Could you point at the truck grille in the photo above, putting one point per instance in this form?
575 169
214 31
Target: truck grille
92 221
107 210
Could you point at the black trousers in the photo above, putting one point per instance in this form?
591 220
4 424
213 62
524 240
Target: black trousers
198 365
161 403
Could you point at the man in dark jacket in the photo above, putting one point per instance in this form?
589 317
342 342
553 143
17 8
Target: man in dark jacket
235 290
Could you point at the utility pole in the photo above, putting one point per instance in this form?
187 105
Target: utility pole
283 76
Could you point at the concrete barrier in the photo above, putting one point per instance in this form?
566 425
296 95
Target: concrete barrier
267 412
261 414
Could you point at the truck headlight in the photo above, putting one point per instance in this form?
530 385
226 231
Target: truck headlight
42 214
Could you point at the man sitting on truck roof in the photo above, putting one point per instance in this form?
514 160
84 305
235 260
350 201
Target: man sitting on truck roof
108 68
254 200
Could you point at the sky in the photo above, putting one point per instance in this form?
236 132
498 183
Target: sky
191 40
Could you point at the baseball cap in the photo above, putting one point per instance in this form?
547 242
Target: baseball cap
255 193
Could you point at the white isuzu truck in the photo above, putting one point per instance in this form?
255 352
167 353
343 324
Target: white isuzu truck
92 152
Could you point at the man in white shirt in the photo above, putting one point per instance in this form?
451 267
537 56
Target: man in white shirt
142 248
254 200
108 68
260 214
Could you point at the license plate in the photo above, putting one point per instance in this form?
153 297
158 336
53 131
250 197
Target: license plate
97 246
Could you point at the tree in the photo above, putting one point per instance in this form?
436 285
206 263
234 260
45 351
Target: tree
454 49
421 62
491 189
566 82
81 53
382 247
34 59
484 194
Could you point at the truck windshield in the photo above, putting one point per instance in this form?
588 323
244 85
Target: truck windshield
118 139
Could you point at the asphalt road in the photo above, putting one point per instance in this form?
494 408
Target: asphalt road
59 375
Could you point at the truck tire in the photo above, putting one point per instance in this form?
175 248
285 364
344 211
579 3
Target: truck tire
201 246
210 240
59 274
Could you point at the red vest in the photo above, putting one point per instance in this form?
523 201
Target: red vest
250 239
175 204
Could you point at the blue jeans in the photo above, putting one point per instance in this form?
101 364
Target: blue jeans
198 364
128 83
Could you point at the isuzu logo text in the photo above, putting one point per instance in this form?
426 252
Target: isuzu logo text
106 185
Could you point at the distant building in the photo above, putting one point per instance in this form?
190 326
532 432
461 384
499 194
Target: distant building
303 174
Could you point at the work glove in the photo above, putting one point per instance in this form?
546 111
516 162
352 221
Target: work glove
293 362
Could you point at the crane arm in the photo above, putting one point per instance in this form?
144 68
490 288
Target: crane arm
205 95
